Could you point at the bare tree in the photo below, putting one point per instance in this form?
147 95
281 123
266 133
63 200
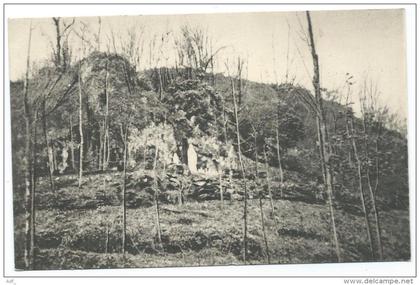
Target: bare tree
270 195
73 162
61 59
29 191
195 51
267 251
160 46
80 126
281 172
124 133
106 139
98 36
82 51
49 147
156 197
370 113
221 188
61 50
324 145
238 139
351 135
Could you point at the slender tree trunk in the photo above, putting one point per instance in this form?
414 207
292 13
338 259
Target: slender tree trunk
108 150
371 193
245 238
160 84
221 189
58 42
104 148
28 197
279 161
377 220
157 211
107 238
49 148
267 252
33 184
377 169
321 151
375 189
376 217
240 66
73 163
106 123
359 176
80 130
124 209
54 156
256 156
323 136
213 78
27 161
224 122
98 42
145 153
180 195
270 195
100 153
328 181
225 137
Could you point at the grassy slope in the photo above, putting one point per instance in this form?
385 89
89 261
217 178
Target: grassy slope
197 233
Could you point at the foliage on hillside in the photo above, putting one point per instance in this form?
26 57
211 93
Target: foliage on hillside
162 113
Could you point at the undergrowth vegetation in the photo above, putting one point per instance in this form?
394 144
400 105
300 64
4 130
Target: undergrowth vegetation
194 234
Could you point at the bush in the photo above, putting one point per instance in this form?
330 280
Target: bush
292 163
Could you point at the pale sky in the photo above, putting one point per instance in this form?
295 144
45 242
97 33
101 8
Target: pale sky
364 43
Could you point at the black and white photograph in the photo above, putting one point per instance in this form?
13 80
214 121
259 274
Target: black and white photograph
211 139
